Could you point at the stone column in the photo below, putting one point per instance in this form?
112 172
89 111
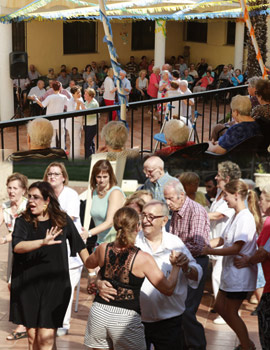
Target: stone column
6 87
160 42
239 45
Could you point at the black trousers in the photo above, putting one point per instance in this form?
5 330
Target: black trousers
165 334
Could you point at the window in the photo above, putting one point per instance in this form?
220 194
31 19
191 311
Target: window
231 33
195 31
79 37
143 35
18 36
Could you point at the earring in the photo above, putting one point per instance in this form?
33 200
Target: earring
45 207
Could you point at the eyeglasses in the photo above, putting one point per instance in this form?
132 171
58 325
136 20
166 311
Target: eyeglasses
148 172
150 217
34 197
54 174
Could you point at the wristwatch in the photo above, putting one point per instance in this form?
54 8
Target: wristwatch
89 234
188 271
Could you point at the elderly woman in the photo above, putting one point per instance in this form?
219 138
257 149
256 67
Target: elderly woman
115 135
176 134
244 128
109 91
40 285
252 91
219 216
262 255
116 324
164 84
16 188
142 84
154 80
263 96
186 105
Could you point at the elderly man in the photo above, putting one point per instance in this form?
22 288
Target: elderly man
33 74
190 222
153 168
161 314
38 91
125 83
39 137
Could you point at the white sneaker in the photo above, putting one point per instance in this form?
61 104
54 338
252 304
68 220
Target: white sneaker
219 320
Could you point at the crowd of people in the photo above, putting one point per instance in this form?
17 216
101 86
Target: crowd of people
147 256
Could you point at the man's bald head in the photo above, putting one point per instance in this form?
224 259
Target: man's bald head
153 168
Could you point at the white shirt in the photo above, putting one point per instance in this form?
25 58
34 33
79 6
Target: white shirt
240 228
36 91
55 103
70 202
175 108
108 87
185 107
156 306
220 206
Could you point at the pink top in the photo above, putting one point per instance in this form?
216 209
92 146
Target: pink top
152 89
263 237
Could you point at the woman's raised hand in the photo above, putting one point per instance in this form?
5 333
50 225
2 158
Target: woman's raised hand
51 235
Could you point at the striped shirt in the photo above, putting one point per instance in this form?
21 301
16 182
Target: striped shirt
192 225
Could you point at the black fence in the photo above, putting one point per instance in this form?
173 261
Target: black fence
213 107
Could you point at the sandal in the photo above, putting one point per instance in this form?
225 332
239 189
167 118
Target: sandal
16 335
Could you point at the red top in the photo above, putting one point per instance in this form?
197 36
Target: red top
166 151
263 237
152 89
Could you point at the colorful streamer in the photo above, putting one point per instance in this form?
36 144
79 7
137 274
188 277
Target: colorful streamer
161 27
113 55
253 38
180 10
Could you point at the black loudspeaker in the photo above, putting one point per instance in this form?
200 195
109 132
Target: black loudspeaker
18 63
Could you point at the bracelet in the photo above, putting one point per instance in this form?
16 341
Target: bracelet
89 234
92 274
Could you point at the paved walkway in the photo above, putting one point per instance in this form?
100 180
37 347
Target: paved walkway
219 337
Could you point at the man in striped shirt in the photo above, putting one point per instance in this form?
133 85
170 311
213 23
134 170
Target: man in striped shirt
190 222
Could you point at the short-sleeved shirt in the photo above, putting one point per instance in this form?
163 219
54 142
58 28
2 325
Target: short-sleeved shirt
241 227
238 133
157 188
91 119
55 103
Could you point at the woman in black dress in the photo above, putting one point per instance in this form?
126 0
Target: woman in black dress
40 286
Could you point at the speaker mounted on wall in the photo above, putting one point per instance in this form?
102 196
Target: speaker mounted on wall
18 64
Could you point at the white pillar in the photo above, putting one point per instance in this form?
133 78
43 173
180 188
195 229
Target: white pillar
6 88
239 45
160 42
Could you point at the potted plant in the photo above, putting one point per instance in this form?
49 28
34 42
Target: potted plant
262 178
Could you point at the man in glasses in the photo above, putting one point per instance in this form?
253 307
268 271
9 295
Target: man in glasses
190 222
153 168
161 314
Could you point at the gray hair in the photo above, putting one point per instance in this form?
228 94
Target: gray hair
176 185
115 134
165 210
241 104
253 81
176 131
230 169
40 131
183 82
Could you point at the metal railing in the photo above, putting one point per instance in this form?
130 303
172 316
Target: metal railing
213 106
